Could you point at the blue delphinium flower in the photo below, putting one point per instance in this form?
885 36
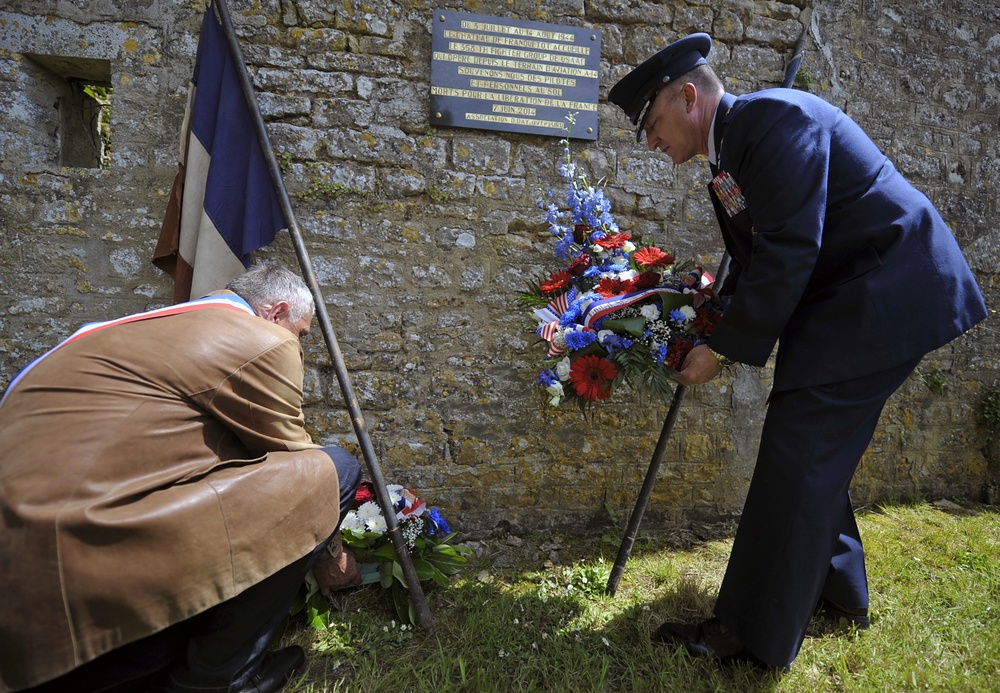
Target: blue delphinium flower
564 246
677 315
578 340
547 377
613 342
437 523
661 353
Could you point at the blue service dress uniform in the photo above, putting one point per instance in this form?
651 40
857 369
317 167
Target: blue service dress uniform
855 275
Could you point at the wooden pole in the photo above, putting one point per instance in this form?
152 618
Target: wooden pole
423 614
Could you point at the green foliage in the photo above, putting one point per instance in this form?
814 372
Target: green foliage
284 160
803 80
102 95
323 187
936 381
532 296
638 369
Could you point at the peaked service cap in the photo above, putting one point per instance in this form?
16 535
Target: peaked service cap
634 92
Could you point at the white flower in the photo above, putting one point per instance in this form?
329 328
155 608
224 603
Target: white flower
395 493
559 338
377 525
353 523
603 335
650 311
556 390
368 510
688 312
598 251
562 369
628 247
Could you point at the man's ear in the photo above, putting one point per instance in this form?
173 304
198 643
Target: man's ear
690 92
277 312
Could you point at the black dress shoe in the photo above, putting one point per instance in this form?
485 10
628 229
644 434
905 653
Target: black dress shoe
274 671
706 639
842 616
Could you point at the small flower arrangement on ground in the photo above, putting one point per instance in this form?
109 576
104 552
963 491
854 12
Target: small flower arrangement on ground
621 312
428 537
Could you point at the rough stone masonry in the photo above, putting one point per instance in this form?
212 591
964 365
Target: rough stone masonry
422 237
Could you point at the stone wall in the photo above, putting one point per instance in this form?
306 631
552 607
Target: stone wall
422 237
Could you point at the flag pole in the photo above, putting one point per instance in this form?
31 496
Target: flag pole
422 612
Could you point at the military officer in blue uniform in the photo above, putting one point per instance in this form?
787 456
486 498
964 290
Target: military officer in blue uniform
854 274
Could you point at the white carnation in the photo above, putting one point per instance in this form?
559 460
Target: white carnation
562 369
650 311
556 390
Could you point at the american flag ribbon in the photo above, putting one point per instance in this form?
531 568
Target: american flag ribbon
549 322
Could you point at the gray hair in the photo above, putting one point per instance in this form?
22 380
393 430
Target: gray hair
703 77
266 283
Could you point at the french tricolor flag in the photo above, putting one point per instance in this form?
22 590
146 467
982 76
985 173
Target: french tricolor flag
223 204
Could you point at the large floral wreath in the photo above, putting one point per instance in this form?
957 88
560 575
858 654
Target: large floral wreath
620 312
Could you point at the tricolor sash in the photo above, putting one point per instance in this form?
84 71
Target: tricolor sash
223 301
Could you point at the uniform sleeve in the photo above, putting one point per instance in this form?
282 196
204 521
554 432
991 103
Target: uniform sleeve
780 159
261 402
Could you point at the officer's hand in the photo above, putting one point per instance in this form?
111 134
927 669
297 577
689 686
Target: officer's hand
699 366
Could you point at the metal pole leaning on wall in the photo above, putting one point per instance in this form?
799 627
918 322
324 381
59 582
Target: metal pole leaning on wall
421 611
635 519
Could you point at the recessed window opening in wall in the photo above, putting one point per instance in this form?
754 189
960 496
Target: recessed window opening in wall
82 99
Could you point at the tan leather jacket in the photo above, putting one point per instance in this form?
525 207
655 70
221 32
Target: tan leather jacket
149 471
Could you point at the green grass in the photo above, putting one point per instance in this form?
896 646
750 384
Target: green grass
530 614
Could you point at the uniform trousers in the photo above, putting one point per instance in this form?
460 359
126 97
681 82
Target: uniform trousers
797 539
220 647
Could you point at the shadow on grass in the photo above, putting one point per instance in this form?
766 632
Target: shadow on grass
514 631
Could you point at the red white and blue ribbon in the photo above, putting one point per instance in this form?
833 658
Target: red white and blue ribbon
549 318
599 309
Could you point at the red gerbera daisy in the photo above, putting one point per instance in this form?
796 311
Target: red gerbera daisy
612 241
652 257
556 283
609 287
592 376
645 280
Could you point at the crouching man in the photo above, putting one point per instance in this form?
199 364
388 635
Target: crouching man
162 501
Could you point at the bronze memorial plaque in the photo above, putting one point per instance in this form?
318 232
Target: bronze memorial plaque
503 74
